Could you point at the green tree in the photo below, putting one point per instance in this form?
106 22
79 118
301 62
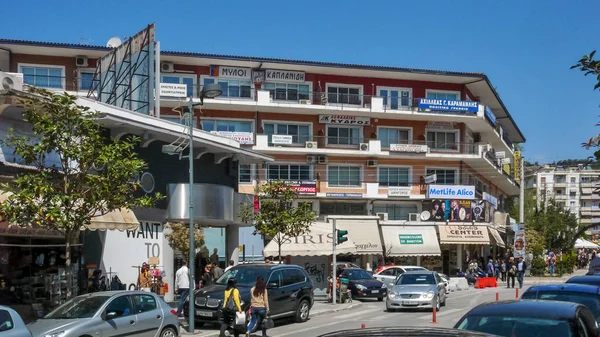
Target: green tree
178 237
557 225
93 176
536 243
277 218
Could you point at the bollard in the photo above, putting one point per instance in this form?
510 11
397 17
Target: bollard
434 318
497 296
363 326
517 293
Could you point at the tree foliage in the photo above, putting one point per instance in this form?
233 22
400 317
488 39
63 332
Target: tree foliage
178 236
277 218
557 225
536 242
93 176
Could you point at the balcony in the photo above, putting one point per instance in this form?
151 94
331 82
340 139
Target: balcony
589 184
560 184
560 197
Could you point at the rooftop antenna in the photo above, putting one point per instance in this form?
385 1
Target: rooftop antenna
114 42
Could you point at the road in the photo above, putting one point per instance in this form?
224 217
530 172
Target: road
373 314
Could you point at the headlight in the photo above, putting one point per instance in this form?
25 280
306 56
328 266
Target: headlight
392 295
383 286
361 287
428 295
54 334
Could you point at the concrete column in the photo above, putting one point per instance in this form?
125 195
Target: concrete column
232 240
419 261
459 257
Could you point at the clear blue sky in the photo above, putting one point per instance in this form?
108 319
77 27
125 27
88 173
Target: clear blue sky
525 47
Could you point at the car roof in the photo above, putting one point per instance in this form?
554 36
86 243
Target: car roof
267 265
406 331
527 308
111 293
586 278
419 272
567 287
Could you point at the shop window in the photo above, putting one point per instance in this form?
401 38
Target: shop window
338 208
344 94
245 173
288 91
452 96
121 306
395 211
43 76
232 88
226 125
442 140
394 176
444 176
343 135
389 136
344 176
189 80
288 172
144 303
300 133
394 98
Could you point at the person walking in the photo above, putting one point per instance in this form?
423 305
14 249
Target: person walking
214 258
521 267
496 269
259 302
511 272
231 263
551 263
503 270
182 286
490 268
207 276
227 313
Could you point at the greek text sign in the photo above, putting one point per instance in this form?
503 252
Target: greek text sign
241 137
450 192
414 148
345 120
411 239
464 234
173 90
399 191
285 76
448 105
230 72
281 139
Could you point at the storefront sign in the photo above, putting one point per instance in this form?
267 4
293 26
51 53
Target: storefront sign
285 76
173 90
399 191
491 199
517 164
430 179
440 125
479 210
450 191
28 231
343 195
447 210
243 138
411 239
281 139
412 148
303 188
506 168
490 115
448 105
464 234
505 161
231 72
344 120
500 154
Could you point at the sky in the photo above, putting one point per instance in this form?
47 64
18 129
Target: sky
525 47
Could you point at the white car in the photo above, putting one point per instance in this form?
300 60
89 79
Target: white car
388 274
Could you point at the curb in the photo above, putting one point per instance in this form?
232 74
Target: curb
336 308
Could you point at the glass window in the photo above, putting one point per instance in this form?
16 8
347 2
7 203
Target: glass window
300 133
45 77
442 95
292 276
276 279
395 98
78 307
245 174
394 176
441 140
188 80
395 211
232 88
6 322
331 208
520 325
343 135
226 125
389 136
287 91
344 95
389 272
288 172
86 81
344 176
121 306
144 303
444 176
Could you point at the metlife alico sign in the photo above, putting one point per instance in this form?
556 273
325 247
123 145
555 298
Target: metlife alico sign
450 192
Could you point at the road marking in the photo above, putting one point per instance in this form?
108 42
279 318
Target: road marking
338 320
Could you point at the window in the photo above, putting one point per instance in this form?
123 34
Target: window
343 135
121 306
189 80
344 176
6 322
453 96
226 125
288 172
288 91
340 94
144 303
444 176
389 272
275 279
292 276
395 211
86 80
573 180
442 140
232 88
389 136
331 208
572 194
395 98
300 133
178 119
245 174
394 176
43 76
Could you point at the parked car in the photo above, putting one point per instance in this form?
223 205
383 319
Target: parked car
417 289
362 285
289 286
388 274
340 266
535 318
11 324
407 332
588 279
588 295
110 313
446 280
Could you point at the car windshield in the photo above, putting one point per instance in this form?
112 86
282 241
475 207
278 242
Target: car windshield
79 307
356 274
416 279
244 276
517 326
589 300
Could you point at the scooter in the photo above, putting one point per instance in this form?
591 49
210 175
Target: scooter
343 294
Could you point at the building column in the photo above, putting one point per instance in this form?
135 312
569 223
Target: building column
232 240
419 261
459 257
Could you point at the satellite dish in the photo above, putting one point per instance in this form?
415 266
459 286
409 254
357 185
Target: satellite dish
114 42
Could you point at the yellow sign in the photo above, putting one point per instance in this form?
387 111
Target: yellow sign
517 163
241 248
506 168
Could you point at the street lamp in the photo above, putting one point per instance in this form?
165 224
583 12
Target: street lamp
207 91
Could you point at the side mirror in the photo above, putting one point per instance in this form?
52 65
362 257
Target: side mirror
110 315
272 285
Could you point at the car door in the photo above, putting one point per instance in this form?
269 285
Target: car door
441 288
149 314
388 276
278 300
119 318
293 280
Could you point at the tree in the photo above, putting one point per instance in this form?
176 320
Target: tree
557 225
535 242
179 238
277 218
93 176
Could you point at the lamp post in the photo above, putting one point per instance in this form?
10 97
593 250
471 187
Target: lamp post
208 91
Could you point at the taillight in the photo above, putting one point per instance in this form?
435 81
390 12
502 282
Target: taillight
312 288
174 312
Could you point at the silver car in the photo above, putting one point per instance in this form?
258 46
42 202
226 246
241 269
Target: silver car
11 324
389 274
110 313
417 289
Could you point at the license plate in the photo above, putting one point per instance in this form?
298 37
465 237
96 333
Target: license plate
204 313
374 291
409 303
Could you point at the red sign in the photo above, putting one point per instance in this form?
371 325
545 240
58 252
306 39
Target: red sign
256 204
305 188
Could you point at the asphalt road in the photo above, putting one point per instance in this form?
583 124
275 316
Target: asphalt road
373 314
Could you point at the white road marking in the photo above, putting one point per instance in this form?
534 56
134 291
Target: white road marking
338 320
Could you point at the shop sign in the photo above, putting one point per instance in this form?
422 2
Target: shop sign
281 139
231 72
452 210
505 161
450 191
491 199
430 179
344 120
500 155
490 115
28 231
173 90
343 195
399 191
411 239
506 169
517 168
304 187
448 105
412 148
243 138
440 125
285 76
454 233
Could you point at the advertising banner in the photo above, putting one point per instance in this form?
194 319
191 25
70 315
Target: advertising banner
453 210
479 210
244 138
519 243
517 165
451 191
448 105
344 120
304 188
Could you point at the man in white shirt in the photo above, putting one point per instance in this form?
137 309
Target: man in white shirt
231 263
182 285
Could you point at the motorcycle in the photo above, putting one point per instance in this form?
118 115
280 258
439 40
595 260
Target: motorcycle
343 294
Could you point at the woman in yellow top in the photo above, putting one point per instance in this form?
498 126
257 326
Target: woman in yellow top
259 301
229 316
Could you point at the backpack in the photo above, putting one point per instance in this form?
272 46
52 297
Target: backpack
230 302
513 270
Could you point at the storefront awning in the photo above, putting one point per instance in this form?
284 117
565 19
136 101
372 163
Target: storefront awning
364 232
318 242
497 237
122 219
465 233
411 240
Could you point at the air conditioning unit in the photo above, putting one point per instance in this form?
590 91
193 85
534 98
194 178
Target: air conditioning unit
81 61
311 145
371 163
11 81
413 217
305 101
167 67
364 146
311 159
382 216
322 160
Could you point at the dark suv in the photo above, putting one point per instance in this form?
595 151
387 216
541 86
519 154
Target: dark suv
289 287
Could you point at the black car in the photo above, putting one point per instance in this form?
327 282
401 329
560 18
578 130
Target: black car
363 285
586 294
289 287
588 279
407 332
530 318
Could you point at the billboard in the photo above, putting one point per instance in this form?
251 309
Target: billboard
458 210
517 165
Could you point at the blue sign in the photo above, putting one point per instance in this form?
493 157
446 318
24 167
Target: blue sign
490 115
450 192
344 195
491 199
448 105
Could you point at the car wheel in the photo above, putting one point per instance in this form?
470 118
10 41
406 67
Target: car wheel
168 332
380 299
302 311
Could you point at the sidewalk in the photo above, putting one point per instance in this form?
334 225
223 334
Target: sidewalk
530 280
